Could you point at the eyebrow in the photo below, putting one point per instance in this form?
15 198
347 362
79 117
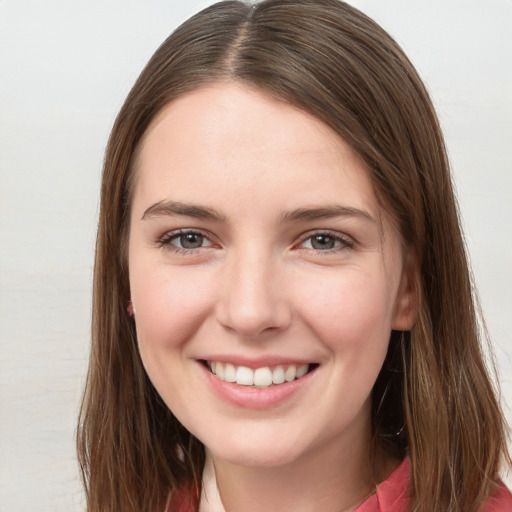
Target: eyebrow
169 208
325 212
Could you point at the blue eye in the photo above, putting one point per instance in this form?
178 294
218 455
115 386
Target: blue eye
185 240
325 242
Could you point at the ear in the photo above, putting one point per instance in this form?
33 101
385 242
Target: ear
406 303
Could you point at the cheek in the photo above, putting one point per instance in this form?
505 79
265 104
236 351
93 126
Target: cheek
352 318
352 315
350 301
170 306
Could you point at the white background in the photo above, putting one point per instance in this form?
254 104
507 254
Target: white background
65 68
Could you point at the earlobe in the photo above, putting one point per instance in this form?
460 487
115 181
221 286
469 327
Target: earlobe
406 304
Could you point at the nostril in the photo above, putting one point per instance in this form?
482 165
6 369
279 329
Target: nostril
252 302
252 323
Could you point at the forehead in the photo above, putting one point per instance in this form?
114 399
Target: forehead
226 118
241 139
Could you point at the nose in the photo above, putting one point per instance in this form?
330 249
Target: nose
253 296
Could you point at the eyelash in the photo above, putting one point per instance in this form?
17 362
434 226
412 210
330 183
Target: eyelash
344 241
166 241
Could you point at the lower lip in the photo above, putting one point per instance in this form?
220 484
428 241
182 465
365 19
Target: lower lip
255 398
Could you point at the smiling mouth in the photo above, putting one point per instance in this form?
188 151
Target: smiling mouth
264 377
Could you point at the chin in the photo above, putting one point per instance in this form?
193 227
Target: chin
255 458
254 453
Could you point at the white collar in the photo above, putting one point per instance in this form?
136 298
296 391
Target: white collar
210 496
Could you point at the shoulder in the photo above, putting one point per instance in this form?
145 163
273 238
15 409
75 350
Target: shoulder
500 501
181 500
391 494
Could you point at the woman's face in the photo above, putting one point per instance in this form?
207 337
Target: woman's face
257 249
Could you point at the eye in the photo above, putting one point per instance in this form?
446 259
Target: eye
326 241
185 240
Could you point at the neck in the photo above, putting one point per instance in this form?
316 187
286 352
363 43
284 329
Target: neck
327 479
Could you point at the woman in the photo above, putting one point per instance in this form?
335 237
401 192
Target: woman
283 313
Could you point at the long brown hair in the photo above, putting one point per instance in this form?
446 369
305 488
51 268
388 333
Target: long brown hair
433 399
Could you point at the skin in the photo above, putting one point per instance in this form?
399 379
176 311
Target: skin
258 286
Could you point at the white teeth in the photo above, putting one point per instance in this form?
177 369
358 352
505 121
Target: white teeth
278 375
230 373
290 373
302 370
244 376
260 377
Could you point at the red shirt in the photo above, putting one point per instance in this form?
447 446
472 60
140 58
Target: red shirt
391 496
